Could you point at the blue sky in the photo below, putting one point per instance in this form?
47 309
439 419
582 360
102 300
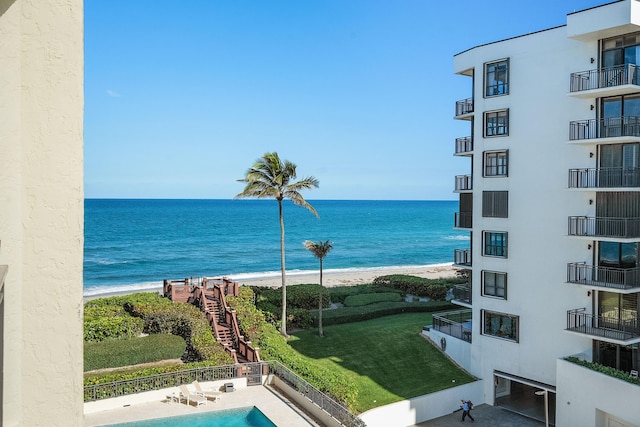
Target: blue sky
182 97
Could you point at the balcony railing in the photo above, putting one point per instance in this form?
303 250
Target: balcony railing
463 293
619 75
610 327
463 220
604 177
464 145
464 106
603 277
454 323
611 127
462 257
464 183
604 227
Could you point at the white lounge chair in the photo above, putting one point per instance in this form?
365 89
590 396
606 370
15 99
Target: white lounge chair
213 395
191 397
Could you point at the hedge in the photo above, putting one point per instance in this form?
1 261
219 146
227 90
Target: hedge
419 286
366 299
273 346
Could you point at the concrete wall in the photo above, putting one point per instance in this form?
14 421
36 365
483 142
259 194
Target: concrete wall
589 398
41 210
423 408
456 349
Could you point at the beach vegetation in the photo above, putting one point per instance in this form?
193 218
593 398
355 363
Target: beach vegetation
436 289
152 314
132 351
271 177
360 300
319 250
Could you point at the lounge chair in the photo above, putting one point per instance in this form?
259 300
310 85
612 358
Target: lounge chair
191 397
213 395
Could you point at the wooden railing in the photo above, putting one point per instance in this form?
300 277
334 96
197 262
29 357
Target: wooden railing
196 291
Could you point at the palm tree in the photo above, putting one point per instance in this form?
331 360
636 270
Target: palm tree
271 177
319 250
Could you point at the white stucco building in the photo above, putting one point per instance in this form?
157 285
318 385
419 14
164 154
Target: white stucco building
41 212
552 204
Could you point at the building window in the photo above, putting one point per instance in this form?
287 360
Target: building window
495 204
495 244
496 78
494 284
496 123
495 163
500 325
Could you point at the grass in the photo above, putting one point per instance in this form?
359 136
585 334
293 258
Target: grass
366 299
132 351
386 357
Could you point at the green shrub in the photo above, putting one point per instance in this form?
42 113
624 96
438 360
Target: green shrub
107 321
338 294
420 286
356 314
273 346
366 299
132 351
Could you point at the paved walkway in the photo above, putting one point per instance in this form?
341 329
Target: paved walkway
485 416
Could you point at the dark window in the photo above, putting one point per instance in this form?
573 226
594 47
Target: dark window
495 244
495 204
495 163
494 284
497 78
496 123
500 325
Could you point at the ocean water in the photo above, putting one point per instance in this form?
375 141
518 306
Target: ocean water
135 244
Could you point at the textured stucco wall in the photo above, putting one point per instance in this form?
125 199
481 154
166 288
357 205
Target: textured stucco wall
41 209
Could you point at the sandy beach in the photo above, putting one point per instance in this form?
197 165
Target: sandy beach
329 278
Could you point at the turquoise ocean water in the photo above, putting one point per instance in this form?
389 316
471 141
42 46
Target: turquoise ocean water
135 244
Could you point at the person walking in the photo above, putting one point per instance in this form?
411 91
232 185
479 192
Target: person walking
466 407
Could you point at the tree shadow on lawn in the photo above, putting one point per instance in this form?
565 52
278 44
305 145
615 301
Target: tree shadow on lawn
388 351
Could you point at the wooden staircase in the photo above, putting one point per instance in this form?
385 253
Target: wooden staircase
209 296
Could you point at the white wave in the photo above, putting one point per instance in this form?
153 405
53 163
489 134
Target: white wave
456 237
93 291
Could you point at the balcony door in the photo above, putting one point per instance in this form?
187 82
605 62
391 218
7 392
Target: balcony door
619 163
617 255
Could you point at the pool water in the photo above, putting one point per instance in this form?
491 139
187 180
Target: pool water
241 417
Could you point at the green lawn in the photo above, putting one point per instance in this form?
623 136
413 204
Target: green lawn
386 357
132 351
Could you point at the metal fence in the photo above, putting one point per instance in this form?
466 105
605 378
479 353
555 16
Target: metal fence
226 372
326 403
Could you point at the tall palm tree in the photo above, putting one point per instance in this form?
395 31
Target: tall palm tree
319 250
271 177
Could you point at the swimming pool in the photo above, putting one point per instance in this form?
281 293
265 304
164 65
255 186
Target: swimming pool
240 417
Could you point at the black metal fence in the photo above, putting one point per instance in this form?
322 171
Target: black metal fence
326 403
226 372
462 257
604 227
604 177
626 74
464 106
605 277
610 127
464 145
454 323
610 327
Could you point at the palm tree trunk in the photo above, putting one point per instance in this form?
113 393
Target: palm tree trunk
283 324
320 304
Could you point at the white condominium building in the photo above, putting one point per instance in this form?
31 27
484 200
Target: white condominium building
552 206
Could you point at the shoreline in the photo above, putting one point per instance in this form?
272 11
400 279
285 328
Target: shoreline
330 278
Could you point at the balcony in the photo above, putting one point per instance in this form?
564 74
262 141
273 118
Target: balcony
464 146
454 323
626 280
604 178
623 228
464 109
462 294
617 329
610 81
462 257
617 129
463 220
463 183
